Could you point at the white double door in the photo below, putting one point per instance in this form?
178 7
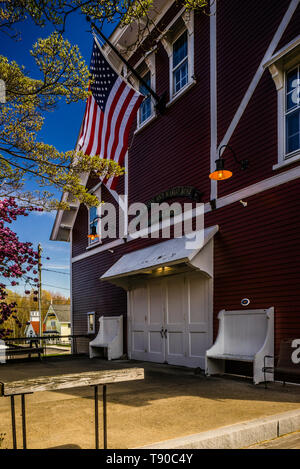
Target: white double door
170 319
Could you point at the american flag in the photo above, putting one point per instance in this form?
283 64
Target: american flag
109 113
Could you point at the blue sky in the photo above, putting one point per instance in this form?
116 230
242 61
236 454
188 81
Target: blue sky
60 129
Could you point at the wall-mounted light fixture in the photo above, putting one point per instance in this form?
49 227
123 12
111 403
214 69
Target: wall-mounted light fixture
221 173
93 234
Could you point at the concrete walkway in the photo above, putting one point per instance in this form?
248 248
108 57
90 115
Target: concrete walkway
172 402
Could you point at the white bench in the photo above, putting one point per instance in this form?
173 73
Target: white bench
109 337
246 336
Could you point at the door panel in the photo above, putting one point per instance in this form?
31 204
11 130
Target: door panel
175 320
171 319
139 312
198 324
154 322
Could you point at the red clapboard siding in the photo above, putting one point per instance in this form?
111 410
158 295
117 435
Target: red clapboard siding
256 252
174 149
244 32
257 256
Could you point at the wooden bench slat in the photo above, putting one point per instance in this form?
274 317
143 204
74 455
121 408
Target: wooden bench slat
51 383
242 358
24 350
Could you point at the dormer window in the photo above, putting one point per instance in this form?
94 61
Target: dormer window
180 63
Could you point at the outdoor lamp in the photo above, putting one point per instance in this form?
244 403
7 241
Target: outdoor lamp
221 173
93 235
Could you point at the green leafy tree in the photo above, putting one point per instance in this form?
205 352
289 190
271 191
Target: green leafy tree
64 76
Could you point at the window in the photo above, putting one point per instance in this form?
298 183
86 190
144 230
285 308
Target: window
178 41
146 107
292 111
284 67
94 221
180 63
91 323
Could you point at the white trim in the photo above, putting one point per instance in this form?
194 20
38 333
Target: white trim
118 32
96 250
287 161
249 191
181 92
283 51
150 63
145 124
279 72
256 188
71 293
213 98
168 46
176 17
190 56
276 38
57 221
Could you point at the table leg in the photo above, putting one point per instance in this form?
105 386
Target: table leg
96 418
23 421
13 421
104 418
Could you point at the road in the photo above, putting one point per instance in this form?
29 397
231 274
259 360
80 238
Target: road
290 441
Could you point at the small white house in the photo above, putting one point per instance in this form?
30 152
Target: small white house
33 328
58 320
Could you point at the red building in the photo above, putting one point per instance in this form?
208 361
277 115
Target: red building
231 78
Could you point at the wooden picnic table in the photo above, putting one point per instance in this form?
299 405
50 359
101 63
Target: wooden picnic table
67 381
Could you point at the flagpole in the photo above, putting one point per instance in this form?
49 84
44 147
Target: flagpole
160 100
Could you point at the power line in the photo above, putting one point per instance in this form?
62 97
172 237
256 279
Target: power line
57 271
55 286
46 284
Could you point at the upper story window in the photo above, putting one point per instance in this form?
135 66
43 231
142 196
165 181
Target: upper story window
180 63
284 67
178 42
292 111
145 110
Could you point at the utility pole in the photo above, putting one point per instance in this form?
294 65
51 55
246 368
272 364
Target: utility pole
40 286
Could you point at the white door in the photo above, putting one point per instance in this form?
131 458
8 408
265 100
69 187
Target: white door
146 303
170 320
175 320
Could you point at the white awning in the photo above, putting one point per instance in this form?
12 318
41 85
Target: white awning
182 254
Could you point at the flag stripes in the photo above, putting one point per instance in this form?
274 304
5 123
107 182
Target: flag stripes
109 113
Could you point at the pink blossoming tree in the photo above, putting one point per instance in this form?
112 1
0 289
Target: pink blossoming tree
17 260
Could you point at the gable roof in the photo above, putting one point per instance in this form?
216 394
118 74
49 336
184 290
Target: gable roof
63 312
